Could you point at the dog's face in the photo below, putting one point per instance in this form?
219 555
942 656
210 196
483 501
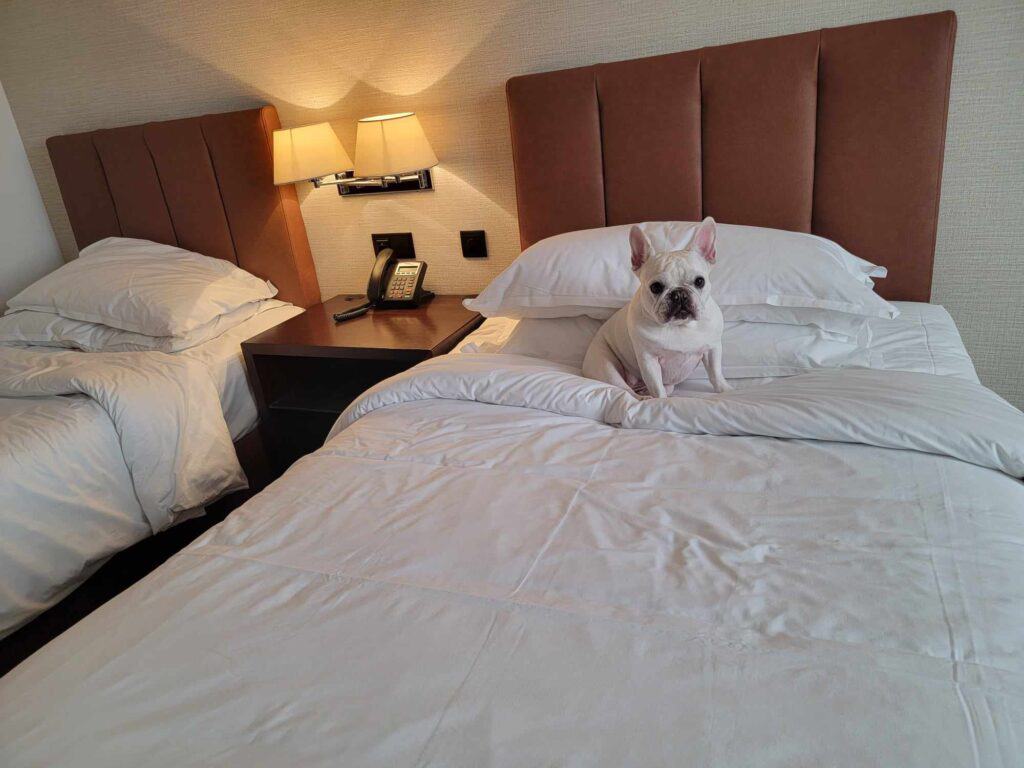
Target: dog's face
675 285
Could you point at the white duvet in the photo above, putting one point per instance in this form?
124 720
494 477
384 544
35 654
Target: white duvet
149 435
496 562
165 411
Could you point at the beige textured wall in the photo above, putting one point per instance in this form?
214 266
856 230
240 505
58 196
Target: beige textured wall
81 64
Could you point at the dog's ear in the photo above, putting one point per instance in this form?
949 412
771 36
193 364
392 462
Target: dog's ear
639 246
704 239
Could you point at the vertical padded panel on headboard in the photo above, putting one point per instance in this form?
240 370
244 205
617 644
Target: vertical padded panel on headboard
190 187
203 183
759 101
839 132
556 148
134 184
240 145
883 96
655 127
302 256
83 188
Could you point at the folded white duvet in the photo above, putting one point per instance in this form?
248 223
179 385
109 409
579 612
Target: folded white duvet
888 409
166 412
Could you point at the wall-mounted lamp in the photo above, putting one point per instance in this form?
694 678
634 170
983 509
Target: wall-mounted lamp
308 153
392 155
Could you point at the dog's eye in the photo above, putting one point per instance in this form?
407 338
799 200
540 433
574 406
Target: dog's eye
656 288
698 283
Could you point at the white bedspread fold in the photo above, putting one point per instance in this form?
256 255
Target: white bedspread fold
165 410
888 409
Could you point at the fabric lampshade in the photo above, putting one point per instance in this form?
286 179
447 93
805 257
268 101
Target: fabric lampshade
389 145
309 152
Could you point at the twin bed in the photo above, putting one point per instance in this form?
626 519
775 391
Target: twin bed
68 498
494 561
69 501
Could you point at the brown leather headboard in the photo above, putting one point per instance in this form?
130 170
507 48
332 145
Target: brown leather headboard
838 132
204 183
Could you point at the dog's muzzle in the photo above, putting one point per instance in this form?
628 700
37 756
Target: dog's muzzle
679 305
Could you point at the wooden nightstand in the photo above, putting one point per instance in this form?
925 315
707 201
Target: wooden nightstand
307 370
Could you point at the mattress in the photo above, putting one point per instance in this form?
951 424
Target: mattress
70 510
496 562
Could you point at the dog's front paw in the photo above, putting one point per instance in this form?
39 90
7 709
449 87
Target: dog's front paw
725 386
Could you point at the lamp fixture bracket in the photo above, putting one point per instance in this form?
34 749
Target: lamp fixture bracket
348 184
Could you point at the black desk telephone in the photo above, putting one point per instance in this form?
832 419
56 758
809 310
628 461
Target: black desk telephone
394 284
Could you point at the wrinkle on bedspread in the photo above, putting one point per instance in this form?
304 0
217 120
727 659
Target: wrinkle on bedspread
456 583
166 413
888 409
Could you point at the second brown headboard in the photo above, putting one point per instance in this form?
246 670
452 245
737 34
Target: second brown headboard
204 183
839 132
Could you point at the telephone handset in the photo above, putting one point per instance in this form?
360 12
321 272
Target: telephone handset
394 283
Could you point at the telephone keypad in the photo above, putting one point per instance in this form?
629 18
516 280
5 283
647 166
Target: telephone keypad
402 285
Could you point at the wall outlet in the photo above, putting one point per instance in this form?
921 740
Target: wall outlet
474 244
399 242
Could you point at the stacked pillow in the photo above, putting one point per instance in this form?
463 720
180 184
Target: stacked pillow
123 294
810 292
805 279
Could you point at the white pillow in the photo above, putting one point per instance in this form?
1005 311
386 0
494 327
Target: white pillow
754 350
852 328
588 273
559 339
144 287
749 350
44 329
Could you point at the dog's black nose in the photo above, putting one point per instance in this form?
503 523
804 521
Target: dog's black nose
680 304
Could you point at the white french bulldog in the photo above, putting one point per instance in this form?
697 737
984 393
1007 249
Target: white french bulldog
670 324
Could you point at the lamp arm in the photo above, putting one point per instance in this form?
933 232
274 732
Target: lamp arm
369 181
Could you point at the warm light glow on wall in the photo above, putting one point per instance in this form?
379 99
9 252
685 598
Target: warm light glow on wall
290 55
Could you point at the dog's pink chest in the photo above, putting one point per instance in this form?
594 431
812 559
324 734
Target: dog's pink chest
676 368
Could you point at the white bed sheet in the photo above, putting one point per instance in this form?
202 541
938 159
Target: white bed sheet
459 582
69 503
923 338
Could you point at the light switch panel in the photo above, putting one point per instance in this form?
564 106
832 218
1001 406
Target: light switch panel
474 244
